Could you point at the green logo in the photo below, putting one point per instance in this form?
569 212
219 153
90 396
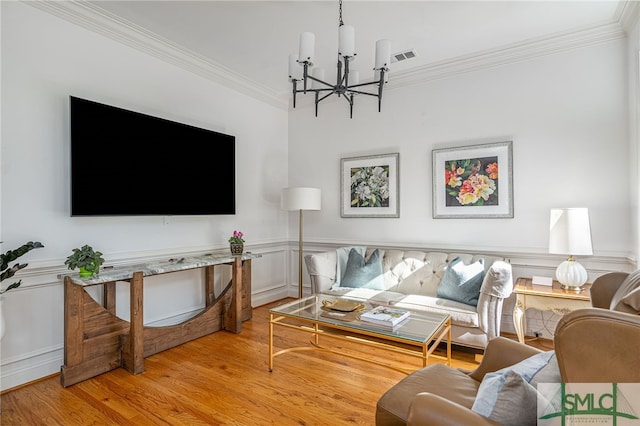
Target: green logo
585 403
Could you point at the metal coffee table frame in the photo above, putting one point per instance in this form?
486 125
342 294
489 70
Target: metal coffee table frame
423 330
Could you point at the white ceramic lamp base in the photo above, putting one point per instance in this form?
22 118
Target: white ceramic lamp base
571 274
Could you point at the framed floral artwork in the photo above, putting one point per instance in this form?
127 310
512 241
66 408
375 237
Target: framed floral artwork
473 181
369 186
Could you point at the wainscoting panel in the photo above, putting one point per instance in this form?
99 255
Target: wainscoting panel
33 344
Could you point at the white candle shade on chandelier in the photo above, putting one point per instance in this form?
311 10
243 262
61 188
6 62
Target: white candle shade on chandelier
347 83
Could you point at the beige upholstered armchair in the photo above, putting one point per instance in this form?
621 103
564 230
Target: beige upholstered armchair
586 342
617 291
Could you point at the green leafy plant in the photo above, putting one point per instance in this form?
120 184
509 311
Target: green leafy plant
10 256
85 257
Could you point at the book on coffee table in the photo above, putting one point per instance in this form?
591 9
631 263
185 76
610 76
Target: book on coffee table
385 316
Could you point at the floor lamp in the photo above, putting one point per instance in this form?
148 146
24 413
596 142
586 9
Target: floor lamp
300 199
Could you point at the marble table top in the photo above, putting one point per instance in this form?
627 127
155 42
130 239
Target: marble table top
173 264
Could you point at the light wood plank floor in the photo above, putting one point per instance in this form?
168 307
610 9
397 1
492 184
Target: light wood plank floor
220 379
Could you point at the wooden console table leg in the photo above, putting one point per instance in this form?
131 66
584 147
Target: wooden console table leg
73 322
247 308
135 362
209 285
233 316
109 295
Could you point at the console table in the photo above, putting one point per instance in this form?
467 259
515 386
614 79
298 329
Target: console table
97 341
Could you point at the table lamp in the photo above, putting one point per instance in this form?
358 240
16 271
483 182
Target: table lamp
300 199
570 233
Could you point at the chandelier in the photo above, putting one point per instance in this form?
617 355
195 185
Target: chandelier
347 81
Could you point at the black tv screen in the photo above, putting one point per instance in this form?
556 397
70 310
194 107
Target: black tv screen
126 163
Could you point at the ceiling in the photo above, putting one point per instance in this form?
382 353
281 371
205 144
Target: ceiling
251 40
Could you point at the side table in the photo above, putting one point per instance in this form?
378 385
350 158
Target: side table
545 298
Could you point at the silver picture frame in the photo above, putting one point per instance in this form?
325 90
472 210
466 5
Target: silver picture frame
369 186
474 181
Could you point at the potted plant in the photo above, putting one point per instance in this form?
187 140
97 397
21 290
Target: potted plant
85 259
236 242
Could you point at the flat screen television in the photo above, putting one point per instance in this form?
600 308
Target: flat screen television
124 163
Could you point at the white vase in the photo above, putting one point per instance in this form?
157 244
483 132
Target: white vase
1 318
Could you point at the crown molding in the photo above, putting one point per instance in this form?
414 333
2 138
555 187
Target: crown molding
628 14
517 52
93 18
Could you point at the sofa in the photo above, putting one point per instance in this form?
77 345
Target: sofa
412 279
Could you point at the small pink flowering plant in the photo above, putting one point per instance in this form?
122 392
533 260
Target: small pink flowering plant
236 238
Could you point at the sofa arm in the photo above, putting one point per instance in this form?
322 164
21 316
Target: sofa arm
322 270
429 409
496 286
500 353
498 281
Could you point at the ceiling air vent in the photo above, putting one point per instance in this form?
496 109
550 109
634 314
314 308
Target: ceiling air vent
403 56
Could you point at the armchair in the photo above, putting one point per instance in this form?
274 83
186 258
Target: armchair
591 345
617 291
442 395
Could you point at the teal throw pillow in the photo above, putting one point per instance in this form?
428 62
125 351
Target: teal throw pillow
363 274
461 282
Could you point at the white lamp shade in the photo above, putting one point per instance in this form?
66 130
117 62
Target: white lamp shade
569 232
307 47
301 199
346 40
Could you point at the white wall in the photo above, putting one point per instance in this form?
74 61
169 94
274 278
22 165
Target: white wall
566 115
44 60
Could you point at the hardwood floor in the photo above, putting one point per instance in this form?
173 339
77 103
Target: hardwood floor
220 379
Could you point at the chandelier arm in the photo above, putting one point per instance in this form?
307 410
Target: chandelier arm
364 84
349 98
320 81
339 75
345 77
363 93
324 97
295 82
305 74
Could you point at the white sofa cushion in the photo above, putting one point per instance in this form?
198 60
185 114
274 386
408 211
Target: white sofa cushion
461 314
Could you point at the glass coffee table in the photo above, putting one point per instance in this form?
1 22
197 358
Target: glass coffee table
417 336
